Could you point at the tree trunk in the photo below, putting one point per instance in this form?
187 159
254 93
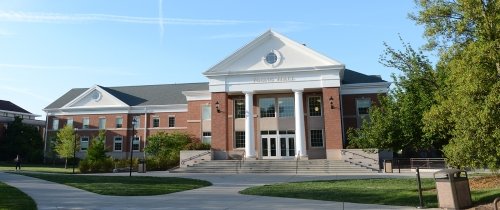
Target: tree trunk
66 163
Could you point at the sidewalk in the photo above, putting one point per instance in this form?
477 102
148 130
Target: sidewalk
223 194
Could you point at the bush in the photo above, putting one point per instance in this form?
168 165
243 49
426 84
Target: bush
96 166
125 163
198 146
84 166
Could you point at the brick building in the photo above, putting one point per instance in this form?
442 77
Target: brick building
9 111
272 99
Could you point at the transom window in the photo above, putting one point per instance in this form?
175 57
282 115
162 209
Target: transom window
286 107
84 143
239 137
267 107
314 105
156 122
239 108
316 138
207 138
118 143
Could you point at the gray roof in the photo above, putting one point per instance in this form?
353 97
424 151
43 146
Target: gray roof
352 77
9 106
139 95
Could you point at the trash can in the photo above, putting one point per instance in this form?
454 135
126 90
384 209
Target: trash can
142 166
388 166
453 189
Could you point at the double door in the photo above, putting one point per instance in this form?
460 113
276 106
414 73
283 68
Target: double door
278 146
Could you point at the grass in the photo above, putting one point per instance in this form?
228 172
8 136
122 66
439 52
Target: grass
13 199
124 186
401 192
10 166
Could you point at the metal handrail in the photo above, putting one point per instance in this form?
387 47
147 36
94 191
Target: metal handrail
366 157
427 162
297 158
495 203
195 156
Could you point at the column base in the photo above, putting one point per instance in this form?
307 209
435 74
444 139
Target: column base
251 158
304 157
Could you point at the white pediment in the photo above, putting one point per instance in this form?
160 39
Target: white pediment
95 97
288 56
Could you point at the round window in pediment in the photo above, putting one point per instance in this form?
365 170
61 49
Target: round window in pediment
96 96
271 58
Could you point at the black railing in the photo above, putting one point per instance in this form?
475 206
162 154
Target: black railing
195 156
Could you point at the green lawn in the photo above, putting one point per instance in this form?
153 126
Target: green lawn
124 185
401 192
13 199
10 166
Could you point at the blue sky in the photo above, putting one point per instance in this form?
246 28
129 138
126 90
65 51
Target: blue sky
48 47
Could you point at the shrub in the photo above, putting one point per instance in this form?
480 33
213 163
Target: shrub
198 146
84 166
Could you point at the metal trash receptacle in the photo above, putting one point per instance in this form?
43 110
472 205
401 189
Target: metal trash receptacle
453 189
141 166
388 166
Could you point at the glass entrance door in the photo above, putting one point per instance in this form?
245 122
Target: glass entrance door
276 146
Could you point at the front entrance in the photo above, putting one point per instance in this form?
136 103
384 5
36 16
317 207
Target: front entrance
277 146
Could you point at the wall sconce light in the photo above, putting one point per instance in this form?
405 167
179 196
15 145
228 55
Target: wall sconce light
331 103
217 106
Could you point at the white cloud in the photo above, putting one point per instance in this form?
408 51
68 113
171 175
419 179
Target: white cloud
33 17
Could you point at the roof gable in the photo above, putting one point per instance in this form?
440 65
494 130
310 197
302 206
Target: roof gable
95 97
290 55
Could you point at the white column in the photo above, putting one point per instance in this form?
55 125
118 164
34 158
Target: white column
300 136
249 137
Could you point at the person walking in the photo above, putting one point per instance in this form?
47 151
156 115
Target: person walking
18 162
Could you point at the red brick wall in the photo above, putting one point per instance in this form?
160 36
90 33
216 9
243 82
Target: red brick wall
193 117
349 108
332 117
220 122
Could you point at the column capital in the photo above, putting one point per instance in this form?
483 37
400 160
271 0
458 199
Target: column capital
298 90
247 92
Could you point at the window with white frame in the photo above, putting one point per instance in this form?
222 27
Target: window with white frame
69 121
362 107
135 143
156 122
267 107
316 138
314 103
84 143
171 121
55 124
102 123
85 122
137 122
207 138
239 137
239 108
118 143
119 122
286 107
206 112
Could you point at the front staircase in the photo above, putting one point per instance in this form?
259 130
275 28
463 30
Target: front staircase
276 167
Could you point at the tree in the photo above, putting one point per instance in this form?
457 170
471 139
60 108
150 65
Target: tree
396 123
97 149
66 145
21 139
466 112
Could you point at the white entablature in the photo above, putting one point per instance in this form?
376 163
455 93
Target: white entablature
274 62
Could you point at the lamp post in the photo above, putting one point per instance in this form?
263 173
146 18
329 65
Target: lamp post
74 150
134 122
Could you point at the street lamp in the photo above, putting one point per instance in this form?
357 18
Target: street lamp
134 122
74 151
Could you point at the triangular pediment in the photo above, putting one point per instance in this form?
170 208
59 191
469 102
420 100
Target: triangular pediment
95 97
285 54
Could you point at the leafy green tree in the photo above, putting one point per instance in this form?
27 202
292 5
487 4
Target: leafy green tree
97 149
21 139
66 145
396 123
466 112
166 147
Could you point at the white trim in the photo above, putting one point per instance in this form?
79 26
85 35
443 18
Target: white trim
117 110
20 113
200 95
89 91
114 142
365 88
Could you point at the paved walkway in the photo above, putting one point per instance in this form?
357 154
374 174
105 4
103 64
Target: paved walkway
223 194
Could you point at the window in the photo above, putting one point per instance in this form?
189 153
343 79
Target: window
207 138
118 143
286 107
119 122
135 143
156 122
239 108
271 58
69 121
55 124
362 107
85 123
239 137
137 121
171 121
102 123
84 143
315 106
267 108
316 138
206 112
